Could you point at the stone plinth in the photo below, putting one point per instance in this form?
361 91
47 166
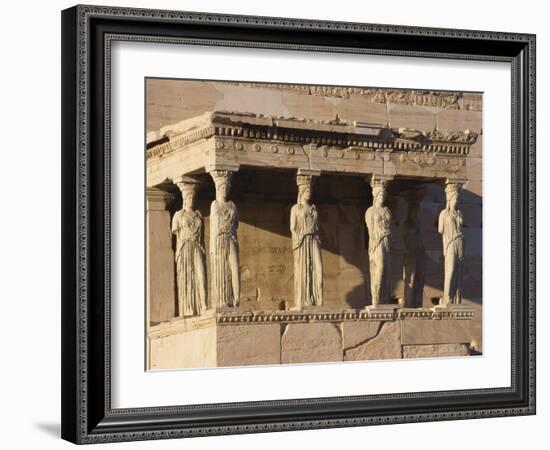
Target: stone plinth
236 337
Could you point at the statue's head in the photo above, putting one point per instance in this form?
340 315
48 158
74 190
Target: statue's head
188 200
222 180
304 188
188 194
378 196
452 191
304 193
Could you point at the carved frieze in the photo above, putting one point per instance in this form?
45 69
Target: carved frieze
434 99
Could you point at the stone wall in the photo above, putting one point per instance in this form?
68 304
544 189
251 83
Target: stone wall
200 342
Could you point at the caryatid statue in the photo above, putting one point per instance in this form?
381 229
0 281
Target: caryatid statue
450 227
224 247
306 245
378 218
190 254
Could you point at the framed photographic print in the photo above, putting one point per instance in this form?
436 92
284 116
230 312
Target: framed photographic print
280 224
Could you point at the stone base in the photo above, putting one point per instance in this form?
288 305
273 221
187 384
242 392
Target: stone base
455 311
382 307
312 309
234 337
225 309
382 311
452 306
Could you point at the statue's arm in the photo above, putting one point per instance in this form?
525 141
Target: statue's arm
441 229
316 223
201 232
175 223
368 219
294 227
293 220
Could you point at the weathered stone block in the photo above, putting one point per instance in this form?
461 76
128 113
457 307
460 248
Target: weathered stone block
386 345
356 333
186 349
197 348
420 332
311 342
243 345
435 350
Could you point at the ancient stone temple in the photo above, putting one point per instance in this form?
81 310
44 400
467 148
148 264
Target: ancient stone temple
275 240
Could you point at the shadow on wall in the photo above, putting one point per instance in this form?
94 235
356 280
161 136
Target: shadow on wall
264 199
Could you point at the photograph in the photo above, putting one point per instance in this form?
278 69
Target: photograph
287 222
297 224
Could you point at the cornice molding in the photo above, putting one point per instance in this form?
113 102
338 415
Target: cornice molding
336 133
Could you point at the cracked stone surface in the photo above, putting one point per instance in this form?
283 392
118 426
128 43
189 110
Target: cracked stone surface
311 342
386 345
356 333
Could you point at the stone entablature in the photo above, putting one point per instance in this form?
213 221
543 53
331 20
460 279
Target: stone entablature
331 146
335 133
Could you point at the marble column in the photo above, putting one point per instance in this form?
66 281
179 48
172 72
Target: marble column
414 263
187 226
224 245
378 221
306 245
161 296
450 228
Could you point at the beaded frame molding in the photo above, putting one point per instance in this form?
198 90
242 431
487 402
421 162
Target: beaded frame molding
87 35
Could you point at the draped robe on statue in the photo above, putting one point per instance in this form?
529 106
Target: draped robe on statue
224 253
378 223
450 227
190 262
308 267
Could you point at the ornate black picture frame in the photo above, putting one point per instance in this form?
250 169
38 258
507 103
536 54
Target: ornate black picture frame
87 35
